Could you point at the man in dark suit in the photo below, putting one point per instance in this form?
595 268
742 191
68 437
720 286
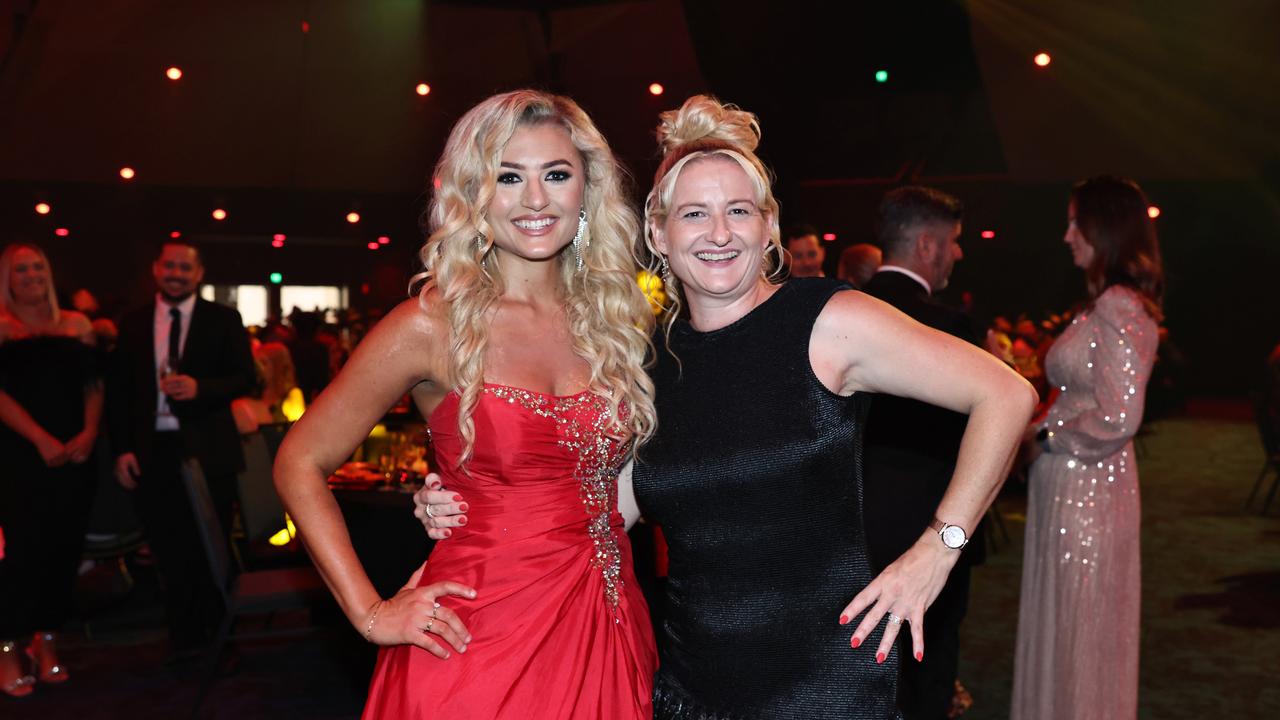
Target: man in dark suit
179 363
911 447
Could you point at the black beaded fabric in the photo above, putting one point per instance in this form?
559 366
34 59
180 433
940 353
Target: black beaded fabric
755 477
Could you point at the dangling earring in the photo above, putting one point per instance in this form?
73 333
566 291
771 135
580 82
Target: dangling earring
664 271
479 242
577 239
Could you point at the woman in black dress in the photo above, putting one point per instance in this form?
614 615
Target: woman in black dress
50 404
754 472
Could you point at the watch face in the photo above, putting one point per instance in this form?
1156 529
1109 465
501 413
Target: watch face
953 537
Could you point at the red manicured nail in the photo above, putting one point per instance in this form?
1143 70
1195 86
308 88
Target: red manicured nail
844 619
462 507
457 498
856 641
919 655
879 658
435 485
448 533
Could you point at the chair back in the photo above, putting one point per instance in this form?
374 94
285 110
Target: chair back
206 519
273 434
260 507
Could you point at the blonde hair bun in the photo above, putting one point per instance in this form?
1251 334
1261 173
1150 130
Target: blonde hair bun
703 118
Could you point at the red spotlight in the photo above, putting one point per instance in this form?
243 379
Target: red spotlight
374 245
62 232
656 89
1153 212
1043 59
435 183
828 236
219 214
278 242
353 217
306 26
278 237
422 89
988 234
127 173
173 73
175 234
383 240
43 208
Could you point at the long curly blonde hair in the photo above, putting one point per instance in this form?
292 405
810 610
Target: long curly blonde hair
704 127
609 318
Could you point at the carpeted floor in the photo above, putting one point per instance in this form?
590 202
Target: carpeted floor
1211 615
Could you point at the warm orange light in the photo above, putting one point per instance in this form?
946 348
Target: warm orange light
62 232
42 208
353 217
988 234
656 89
219 214
1153 212
423 89
374 245
173 73
383 240
127 172
1043 59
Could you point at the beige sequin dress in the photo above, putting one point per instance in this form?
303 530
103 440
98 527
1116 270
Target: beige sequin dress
1077 648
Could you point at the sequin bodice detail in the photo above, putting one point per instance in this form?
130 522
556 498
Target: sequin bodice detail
541 462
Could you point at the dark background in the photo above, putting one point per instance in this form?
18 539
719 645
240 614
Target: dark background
290 130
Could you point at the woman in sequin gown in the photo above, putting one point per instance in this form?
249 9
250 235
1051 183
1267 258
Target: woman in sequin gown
524 351
1077 647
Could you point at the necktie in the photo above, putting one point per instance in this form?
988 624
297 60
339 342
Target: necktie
175 338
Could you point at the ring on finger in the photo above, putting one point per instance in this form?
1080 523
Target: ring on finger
430 622
430 514
894 619
433 611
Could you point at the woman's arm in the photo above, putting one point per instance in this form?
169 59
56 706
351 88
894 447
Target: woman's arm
16 417
1122 352
863 345
396 355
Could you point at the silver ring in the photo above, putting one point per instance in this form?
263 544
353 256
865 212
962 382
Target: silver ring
430 622
894 619
429 513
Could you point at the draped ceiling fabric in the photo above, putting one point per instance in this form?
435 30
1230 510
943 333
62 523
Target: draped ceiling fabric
1161 88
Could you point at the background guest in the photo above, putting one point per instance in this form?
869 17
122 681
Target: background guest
180 362
805 252
1077 649
50 407
858 263
911 447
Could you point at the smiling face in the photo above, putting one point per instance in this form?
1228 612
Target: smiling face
28 277
177 271
540 185
715 234
1081 250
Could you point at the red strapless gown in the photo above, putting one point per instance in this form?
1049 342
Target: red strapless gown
559 627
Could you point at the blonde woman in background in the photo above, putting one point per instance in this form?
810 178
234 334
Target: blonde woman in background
50 405
524 350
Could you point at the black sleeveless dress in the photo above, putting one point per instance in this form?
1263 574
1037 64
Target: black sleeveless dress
43 511
755 477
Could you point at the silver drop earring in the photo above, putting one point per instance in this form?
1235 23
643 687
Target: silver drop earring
664 271
577 239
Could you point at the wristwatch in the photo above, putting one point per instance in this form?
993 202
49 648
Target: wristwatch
953 536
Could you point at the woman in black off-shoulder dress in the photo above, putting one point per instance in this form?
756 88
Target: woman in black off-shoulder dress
50 404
